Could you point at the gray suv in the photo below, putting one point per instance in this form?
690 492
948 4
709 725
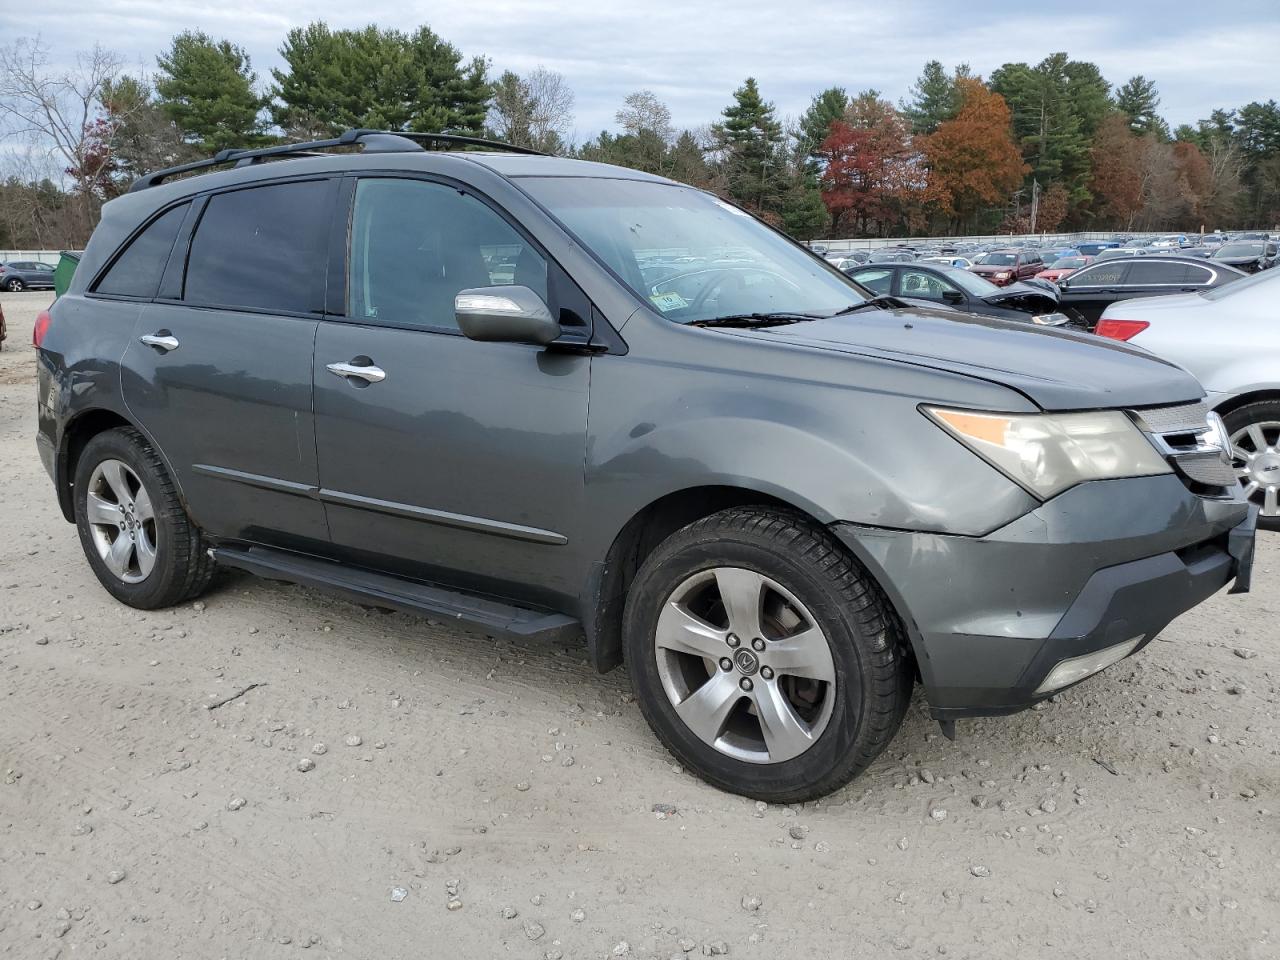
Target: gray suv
545 397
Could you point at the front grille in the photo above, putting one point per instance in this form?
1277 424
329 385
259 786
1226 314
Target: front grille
1186 437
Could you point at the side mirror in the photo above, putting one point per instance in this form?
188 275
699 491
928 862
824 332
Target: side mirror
953 297
506 314
1063 283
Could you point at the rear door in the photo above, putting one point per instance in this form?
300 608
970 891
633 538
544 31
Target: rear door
219 367
450 460
1089 291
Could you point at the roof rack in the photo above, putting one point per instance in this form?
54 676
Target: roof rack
373 141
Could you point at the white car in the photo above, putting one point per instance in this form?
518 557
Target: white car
1229 338
964 263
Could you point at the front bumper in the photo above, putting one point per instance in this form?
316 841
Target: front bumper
1105 562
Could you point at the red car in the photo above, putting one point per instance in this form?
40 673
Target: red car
1062 266
1003 267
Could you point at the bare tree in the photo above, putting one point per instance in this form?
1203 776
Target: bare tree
534 111
59 112
642 112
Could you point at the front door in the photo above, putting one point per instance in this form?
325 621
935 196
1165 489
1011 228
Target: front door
440 457
219 371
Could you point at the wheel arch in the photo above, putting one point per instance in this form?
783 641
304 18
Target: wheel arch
1234 403
77 433
605 594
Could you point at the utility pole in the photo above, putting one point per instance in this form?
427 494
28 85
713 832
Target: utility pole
1035 203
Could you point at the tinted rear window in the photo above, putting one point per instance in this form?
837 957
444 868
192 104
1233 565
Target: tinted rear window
1147 272
136 273
262 248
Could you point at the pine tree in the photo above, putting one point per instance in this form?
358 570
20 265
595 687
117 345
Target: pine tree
1138 101
206 87
824 110
935 97
749 141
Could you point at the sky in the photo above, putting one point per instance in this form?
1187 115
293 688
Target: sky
693 55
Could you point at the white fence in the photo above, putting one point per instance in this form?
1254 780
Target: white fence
40 256
1012 240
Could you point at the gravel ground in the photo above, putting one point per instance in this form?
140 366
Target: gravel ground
391 787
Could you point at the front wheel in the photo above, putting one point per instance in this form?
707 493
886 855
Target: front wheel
1255 446
763 657
134 531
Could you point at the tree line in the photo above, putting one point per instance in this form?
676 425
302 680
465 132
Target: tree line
1043 147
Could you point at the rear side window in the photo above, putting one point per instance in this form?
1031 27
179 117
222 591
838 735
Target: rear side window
1101 275
262 248
136 272
877 281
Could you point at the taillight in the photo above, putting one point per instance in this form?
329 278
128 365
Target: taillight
41 328
1120 329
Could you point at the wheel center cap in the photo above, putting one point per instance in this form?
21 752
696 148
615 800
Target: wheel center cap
746 661
1266 469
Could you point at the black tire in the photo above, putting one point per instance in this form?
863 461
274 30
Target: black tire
14 285
873 671
183 567
1262 411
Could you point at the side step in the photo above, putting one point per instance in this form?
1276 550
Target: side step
378 589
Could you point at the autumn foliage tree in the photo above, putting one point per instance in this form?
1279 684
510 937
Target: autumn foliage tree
872 175
972 159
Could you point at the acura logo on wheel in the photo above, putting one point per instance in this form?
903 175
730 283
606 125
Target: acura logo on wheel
747 661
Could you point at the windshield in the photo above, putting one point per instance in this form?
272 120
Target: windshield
1239 250
1068 263
997 259
970 282
691 256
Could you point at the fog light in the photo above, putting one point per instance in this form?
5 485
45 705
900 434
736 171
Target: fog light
1077 668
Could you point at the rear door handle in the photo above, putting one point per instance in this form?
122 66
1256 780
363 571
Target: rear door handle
162 341
366 372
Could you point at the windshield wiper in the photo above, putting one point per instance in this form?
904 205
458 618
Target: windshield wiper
880 303
775 319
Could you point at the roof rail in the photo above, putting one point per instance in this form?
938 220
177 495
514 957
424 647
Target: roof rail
373 141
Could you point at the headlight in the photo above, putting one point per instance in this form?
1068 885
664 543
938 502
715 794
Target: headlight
1047 453
1051 319
1003 275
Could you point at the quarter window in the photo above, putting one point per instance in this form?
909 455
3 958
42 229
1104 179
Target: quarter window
262 249
136 272
415 245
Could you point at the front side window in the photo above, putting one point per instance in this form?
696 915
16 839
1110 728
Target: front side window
924 286
262 248
689 255
415 245
136 272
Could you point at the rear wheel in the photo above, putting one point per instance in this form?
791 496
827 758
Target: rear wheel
134 531
763 657
14 284
1255 445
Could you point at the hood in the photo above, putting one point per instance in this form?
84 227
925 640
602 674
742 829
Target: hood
1057 369
1031 298
1240 263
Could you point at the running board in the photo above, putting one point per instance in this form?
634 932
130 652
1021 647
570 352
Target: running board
381 590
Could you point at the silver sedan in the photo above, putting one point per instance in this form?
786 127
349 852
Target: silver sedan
1229 338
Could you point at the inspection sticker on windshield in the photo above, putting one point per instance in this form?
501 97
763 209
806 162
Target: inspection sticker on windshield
666 302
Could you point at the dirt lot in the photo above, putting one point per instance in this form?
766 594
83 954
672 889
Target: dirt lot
473 798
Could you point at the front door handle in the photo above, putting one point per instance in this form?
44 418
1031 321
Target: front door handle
162 341
366 372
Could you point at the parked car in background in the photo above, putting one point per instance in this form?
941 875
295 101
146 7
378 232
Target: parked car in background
961 290
964 263
1248 255
1063 266
892 255
1173 241
23 274
1090 290
1093 247
1227 336
1003 267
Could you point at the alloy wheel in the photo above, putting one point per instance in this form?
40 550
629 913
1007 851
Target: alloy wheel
122 521
745 665
1256 449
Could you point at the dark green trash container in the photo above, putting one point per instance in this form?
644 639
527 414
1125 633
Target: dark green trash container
64 271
